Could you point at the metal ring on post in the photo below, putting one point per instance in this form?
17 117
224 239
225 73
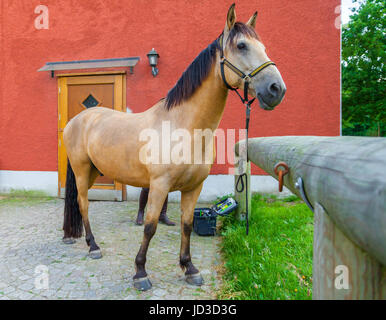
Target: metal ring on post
281 173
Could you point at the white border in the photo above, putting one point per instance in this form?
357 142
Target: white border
46 181
214 186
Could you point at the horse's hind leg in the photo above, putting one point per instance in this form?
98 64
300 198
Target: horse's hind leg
85 177
157 196
188 202
95 251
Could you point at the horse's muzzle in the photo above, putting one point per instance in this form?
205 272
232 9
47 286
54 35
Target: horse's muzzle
270 95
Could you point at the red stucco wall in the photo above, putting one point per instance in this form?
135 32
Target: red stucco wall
300 37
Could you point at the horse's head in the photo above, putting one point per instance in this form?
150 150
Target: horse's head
245 60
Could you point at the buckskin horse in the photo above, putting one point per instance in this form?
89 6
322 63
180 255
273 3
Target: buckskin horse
103 141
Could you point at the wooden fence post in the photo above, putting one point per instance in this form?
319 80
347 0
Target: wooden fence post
338 262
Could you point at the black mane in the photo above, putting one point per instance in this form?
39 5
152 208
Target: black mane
192 77
199 69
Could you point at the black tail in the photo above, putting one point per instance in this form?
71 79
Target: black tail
73 224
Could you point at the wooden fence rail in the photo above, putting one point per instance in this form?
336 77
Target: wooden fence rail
344 181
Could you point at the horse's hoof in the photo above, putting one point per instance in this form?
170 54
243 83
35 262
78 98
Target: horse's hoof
68 240
194 279
142 284
96 254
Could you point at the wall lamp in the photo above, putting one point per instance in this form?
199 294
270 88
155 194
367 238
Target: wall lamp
153 60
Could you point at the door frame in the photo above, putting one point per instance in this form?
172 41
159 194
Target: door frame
117 191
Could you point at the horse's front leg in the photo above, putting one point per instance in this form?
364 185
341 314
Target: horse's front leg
188 202
157 196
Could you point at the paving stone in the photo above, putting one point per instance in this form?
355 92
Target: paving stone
8 290
159 292
26 296
73 275
205 271
90 294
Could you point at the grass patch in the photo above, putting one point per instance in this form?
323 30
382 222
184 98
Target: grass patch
24 196
275 260
291 198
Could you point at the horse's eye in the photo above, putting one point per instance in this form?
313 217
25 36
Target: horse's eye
241 46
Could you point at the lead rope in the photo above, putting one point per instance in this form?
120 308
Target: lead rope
247 104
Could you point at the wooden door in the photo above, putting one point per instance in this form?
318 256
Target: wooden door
80 92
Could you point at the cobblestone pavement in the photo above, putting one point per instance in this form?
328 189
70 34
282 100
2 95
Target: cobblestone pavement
31 247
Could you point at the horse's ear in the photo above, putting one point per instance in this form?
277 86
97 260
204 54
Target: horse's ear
252 20
231 19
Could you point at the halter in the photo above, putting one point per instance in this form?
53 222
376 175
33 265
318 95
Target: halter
246 77
247 103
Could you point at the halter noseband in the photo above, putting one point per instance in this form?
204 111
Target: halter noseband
241 74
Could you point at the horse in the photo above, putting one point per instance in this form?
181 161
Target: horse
103 141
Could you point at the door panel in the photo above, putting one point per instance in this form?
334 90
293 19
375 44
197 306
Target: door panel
77 93
83 96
